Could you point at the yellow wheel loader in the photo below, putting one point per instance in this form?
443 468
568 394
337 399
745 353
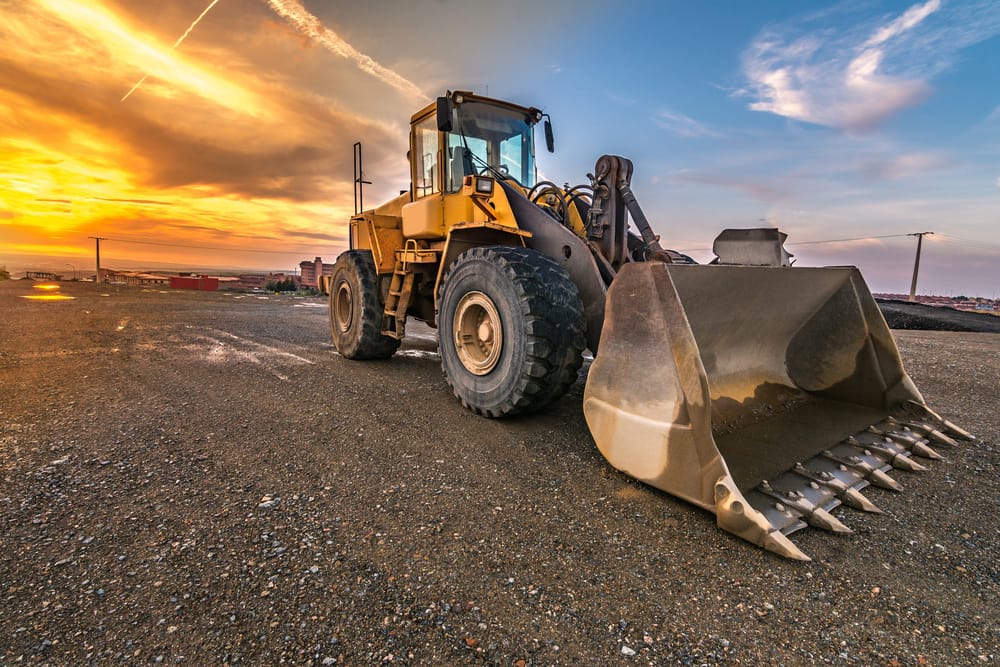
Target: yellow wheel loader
766 394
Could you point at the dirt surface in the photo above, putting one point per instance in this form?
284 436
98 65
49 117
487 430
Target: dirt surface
908 315
199 478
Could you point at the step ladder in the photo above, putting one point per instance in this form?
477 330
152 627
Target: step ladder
397 301
400 294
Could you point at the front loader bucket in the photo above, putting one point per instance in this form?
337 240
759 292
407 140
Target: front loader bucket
766 395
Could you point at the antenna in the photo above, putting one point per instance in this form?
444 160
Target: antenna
359 180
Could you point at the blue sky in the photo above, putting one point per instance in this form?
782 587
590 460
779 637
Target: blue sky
835 120
829 121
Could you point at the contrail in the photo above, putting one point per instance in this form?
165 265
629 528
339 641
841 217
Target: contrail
176 44
298 16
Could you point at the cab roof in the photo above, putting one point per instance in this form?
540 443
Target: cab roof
468 96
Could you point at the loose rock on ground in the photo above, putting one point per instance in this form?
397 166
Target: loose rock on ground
192 478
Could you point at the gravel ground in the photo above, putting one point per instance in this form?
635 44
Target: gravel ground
198 478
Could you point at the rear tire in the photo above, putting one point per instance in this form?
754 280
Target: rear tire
510 330
356 308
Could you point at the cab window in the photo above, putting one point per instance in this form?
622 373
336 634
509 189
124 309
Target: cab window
467 155
487 137
514 156
425 146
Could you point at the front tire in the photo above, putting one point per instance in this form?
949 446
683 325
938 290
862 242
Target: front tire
510 330
356 308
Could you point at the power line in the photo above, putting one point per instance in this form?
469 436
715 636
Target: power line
203 247
858 238
982 245
971 243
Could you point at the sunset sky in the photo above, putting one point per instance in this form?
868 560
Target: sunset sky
846 120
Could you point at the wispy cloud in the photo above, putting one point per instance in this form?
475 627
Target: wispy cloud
763 190
176 44
94 35
624 100
855 77
293 12
822 168
683 126
897 167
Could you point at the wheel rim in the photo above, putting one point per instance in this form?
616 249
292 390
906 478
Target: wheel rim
344 306
478 333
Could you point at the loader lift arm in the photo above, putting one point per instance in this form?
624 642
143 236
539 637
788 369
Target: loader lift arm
607 224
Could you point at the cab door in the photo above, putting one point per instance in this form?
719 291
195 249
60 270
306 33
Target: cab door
423 218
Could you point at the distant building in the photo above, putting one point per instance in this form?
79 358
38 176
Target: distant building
137 278
251 281
191 281
311 271
42 275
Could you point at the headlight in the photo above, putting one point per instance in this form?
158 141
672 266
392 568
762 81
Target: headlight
484 186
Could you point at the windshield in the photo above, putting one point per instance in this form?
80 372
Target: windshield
500 138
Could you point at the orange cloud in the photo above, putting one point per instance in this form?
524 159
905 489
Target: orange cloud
212 150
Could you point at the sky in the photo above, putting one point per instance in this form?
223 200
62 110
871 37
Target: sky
196 133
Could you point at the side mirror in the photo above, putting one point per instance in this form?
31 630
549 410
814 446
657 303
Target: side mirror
443 114
550 142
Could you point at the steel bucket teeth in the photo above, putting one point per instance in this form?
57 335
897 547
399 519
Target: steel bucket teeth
916 445
807 494
813 514
778 542
925 430
899 461
936 436
896 456
960 432
820 518
956 430
879 478
854 498
846 494
872 474
920 449
906 440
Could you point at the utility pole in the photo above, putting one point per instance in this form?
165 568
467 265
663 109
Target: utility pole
916 263
97 244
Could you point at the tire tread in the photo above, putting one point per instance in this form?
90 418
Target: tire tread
364 342
553 312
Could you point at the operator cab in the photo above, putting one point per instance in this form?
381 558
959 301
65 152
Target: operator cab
469 135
